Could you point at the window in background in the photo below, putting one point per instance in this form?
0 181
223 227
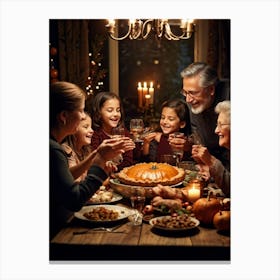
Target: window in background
159 61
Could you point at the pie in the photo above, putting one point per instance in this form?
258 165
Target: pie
151 174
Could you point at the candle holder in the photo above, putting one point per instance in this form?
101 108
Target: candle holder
145 95
194 190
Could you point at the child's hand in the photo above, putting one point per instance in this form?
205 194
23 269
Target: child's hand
149 137
176 142
128 144
111 148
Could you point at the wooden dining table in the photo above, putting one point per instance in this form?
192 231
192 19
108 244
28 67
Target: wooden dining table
138 243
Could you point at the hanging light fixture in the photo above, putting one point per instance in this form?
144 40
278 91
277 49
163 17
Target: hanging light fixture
140 30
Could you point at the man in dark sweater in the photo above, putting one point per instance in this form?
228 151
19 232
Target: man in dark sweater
203 90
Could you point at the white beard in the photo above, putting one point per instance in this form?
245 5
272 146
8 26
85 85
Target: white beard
197 110
203 106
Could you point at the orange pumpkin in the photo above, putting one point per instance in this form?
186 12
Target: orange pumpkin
221 220
205 208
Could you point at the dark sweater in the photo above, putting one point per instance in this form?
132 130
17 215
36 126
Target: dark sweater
66 195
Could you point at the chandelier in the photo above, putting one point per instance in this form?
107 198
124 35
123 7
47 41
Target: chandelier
140 29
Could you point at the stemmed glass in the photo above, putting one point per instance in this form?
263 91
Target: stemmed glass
136 129
118 132
178 152
195 138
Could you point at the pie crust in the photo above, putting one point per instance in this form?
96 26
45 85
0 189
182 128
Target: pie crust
151 174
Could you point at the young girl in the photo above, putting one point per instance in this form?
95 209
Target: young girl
108 114
77 147
174 118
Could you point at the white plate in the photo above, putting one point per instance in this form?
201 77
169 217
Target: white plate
154 220
123 213
116 197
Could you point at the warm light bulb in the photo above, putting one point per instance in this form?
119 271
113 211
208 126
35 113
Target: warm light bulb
111 22
184 23
132 21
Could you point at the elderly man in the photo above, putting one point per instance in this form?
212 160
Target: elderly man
203 91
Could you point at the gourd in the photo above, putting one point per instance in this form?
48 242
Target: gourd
221 220
205 208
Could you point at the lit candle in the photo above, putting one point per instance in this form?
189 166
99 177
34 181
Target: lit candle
145 89
140 95
193 194
148 100
151 92
145 92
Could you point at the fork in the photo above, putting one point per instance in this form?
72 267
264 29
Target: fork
112 229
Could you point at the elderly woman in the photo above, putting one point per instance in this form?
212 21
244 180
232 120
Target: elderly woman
67 102
206 161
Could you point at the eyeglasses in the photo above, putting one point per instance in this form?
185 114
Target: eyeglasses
191 93
220 125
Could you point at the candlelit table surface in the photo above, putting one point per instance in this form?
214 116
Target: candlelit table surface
142 242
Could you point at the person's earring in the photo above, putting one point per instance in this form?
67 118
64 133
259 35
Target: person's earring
64 122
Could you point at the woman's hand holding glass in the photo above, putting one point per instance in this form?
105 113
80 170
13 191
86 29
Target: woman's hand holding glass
110 148
107 150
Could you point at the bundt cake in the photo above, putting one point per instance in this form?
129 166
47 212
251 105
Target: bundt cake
151 174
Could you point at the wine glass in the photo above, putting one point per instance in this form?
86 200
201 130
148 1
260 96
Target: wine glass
136 129
195 139
178 152
118 132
